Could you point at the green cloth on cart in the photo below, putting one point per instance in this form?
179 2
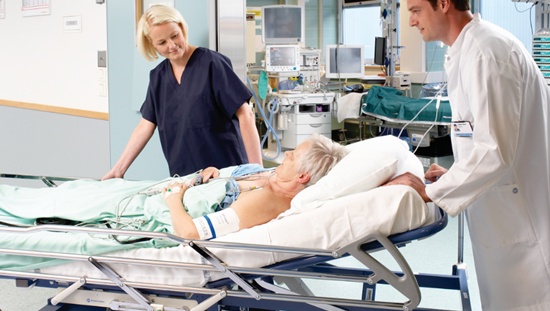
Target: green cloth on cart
91 202
389 102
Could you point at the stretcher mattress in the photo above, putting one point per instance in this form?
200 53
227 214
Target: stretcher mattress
389 210
389 104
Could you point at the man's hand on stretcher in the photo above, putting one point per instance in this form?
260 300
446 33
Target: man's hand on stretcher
113 173
408 179
207 173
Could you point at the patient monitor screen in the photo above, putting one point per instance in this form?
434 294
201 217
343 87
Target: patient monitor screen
282 56
349 61
282 24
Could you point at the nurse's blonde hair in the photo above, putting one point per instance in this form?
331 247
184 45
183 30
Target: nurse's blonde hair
157 15
323 154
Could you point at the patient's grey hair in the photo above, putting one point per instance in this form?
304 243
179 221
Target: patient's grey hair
320 158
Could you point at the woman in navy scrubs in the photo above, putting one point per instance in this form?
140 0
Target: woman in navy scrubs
195 99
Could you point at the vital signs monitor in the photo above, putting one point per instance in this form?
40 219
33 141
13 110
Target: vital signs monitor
283 24
344 61
282 58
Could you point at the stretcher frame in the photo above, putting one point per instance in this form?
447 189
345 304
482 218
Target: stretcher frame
438 128
243 288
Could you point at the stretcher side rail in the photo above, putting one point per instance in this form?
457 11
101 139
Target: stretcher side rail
189 266
369 116
48 180
323 255
168 236
250 272
409 278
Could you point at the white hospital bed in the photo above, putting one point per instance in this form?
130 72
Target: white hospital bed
241 270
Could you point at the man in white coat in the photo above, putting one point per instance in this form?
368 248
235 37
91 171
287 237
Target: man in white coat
501 174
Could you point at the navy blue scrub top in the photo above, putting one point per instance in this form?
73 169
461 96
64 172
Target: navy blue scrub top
196 119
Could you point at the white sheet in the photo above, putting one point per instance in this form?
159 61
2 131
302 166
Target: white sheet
390 210
348 106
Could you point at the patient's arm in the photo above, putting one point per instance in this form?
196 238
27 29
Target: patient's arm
181 221
252 208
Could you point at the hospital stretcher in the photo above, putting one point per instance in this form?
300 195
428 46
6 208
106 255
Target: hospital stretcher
386 108
237 287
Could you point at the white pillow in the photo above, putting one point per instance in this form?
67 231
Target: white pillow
393 147
369 164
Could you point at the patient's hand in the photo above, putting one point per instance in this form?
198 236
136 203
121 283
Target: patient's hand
411 180
174 192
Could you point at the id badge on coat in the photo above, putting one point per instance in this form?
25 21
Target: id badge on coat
462 129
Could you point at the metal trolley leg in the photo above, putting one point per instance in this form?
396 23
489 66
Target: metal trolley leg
460 268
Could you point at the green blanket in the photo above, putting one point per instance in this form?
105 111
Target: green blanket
389 102
92 202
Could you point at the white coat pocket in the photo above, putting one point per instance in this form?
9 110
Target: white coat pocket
500 218
465 145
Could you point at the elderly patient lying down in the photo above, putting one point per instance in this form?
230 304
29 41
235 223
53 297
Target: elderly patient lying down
301 168
256 195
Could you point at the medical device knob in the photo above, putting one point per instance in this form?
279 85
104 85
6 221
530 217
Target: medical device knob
370 280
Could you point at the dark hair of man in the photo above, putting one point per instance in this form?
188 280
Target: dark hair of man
460 5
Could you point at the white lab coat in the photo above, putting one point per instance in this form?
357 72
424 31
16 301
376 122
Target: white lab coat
501 173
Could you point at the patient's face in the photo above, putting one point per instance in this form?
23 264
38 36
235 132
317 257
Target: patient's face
287 171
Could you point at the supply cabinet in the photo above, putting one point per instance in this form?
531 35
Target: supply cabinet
300 115
541 53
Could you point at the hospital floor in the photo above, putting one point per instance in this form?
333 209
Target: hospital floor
435 255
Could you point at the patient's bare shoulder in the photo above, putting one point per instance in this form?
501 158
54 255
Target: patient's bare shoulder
259 206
